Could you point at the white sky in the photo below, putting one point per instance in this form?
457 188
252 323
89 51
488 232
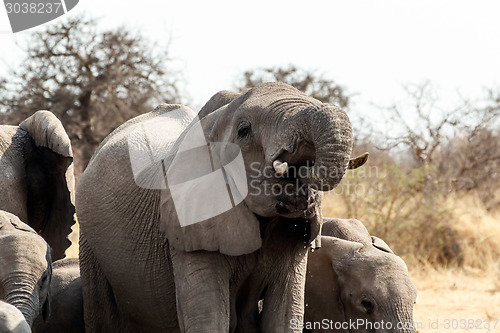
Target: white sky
370 47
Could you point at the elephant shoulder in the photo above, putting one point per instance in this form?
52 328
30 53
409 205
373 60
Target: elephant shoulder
66 263
147 126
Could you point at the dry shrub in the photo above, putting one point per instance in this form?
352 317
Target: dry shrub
478 231
425 227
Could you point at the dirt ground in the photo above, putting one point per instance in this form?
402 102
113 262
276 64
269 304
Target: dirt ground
457 301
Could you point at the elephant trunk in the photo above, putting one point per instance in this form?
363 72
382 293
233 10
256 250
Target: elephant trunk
24 299
400 315
329 130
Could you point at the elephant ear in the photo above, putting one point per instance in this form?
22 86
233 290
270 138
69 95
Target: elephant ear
203 205
46 304
50 180
316 224
381 244
234 232
46 309
340 250
322 292
217 101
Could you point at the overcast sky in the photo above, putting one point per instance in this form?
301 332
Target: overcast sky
370 47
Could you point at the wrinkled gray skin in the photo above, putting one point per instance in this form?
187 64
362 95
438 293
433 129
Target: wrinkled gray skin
12 320
36 177
357 276
142 272
66 301
25 271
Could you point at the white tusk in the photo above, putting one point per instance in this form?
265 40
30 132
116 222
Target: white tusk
280 168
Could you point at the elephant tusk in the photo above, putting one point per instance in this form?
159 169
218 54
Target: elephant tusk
357 161
280 168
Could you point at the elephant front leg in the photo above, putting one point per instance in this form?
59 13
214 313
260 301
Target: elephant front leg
283 307
202 291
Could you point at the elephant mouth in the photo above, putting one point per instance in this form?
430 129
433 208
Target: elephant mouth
297 200
294 197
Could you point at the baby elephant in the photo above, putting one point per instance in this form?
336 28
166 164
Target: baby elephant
66 300
355 283
12 320
25 268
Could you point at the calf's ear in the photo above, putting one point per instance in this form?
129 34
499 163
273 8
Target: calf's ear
381 244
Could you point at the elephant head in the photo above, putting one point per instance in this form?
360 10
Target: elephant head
25 272
276 147
12 320
36 177
356 278
66 303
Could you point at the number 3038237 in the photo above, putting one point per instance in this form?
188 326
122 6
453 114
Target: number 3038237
33 7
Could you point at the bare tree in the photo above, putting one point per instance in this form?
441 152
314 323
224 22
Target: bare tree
458 147
311 83
421 126
93 80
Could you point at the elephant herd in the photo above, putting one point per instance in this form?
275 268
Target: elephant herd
207 222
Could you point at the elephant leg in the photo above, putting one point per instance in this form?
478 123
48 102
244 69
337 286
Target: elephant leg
100 310
283 307
202 291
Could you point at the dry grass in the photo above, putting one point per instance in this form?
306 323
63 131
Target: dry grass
468 226
456 297
460 294
479 232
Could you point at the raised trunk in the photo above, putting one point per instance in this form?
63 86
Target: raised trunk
329 131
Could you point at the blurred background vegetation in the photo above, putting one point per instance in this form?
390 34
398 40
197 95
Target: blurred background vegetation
430 187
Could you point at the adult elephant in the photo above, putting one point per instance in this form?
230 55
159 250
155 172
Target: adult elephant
355 283
25 269
36 177
185 224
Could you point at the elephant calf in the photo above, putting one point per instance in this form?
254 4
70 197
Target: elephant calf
12 320
66 300
25 269
355 283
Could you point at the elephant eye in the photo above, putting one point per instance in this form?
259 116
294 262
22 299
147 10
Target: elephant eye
244 130
368 306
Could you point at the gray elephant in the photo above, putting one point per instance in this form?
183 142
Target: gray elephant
12 320
36 177
185 224
355 283
66 301
25 272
